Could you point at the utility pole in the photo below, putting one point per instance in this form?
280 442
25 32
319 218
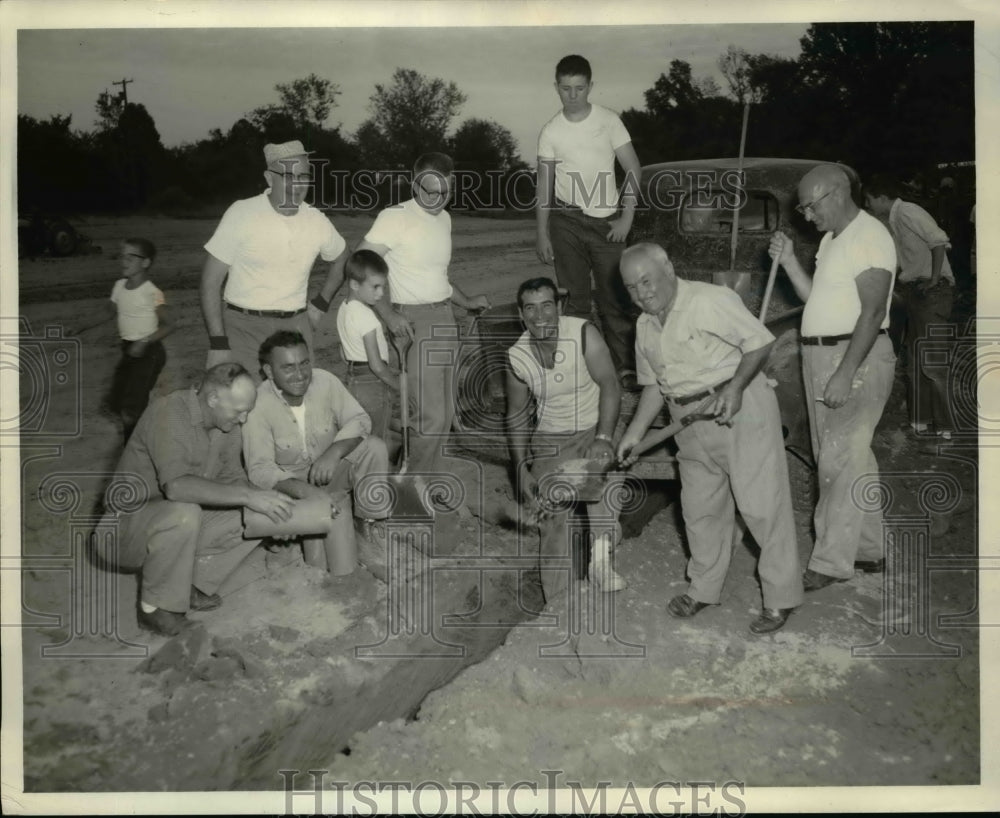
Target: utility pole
124 83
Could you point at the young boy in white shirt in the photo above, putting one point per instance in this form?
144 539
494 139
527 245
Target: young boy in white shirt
141 326
370 378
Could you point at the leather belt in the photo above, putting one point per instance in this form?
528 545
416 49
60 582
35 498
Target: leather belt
831 340
266 313
700 395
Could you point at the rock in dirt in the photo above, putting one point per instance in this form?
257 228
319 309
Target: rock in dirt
527 686
283 634
181 652
217 668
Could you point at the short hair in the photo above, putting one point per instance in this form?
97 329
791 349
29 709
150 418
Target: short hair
221 376
282 338
434 161
145 245
573 65
882 184
363 263
535 284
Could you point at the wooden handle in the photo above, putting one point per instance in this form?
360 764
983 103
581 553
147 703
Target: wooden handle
667 432
768 290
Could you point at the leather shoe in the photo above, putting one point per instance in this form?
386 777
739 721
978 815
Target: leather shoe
870 566
683 606
814 580
165 623
770 619
204 602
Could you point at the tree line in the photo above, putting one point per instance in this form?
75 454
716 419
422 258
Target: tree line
888 97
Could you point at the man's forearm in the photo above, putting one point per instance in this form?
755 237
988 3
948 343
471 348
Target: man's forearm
334 277
866 330
937 262
801 282
750 364
608 408
204 492
649 406
339 449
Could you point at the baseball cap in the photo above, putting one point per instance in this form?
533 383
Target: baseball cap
274 153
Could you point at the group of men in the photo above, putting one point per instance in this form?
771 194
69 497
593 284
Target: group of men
695 346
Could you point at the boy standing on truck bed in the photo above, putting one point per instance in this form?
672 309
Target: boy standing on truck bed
578 229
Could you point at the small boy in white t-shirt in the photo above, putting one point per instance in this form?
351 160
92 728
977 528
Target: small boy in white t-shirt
141 326
370 378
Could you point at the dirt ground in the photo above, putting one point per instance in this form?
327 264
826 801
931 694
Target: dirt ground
872 682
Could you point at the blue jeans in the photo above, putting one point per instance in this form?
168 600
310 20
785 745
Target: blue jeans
580 245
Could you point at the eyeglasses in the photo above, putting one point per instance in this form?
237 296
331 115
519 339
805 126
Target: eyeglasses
443 192
294 177
134 255
811 206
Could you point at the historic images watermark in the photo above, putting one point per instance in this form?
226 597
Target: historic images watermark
550 793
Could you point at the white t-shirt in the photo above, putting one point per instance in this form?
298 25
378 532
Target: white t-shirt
270 255
136 309
419 252
355 320
585 155
833 307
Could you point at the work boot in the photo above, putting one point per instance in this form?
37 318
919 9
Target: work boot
602 573
373 552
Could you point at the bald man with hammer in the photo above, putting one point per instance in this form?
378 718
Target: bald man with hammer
700 349
847 366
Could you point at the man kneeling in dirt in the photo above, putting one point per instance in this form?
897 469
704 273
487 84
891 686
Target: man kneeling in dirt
188 536
307 435
565 365
698 347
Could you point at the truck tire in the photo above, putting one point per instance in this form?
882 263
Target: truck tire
62 238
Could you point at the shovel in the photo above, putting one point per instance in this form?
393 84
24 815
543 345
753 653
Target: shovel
585 479
410 492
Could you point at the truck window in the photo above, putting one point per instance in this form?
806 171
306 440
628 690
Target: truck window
759 214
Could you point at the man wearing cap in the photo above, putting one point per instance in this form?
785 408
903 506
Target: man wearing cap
267 246
700 349
847 366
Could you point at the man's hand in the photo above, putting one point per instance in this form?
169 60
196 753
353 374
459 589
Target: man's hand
600 450
218 356
275 505
398 325
315 315
136 349
619 227
479 302
321 471
726 404
925 285
628 442
781 248
838 390
544 249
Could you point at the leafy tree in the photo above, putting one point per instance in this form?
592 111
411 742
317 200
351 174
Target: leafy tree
304 105
482 144
409 117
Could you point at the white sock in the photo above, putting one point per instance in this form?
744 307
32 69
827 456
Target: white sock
147 608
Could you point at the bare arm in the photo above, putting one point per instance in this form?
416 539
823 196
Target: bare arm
873 290
334 278
378 366
212 275
649 406
518 430
730 399
782 249
476 302
544 190
190 488
602 370
629 161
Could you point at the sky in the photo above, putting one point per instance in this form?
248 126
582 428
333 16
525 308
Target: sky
192 80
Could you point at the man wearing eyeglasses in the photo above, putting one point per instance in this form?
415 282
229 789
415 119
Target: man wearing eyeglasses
847 366
414 237
266 246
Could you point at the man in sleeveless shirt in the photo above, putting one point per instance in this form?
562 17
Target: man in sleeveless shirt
700 349
563 363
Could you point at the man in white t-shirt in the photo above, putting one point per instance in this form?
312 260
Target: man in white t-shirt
414 238
847 366
579 228
266 246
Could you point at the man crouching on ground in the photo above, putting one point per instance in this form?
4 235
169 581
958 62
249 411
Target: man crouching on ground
308 435
188 536
695 341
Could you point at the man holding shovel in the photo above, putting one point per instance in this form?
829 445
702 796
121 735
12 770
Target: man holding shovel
565 365
307 434
700 349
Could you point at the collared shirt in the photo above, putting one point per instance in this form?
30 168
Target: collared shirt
916 233
834 306
171 441
701 343
270 255
273 440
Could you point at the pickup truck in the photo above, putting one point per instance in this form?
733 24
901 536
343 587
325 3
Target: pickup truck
688 207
